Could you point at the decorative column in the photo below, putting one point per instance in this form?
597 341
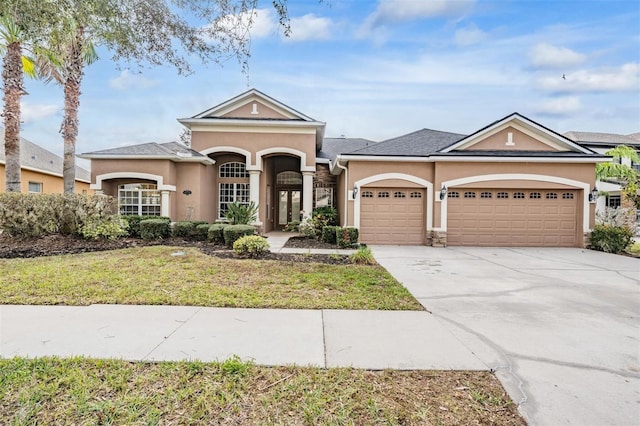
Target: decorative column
307 192
164 203
254 190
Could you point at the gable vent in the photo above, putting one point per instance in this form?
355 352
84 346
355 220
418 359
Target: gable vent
510 141
254 111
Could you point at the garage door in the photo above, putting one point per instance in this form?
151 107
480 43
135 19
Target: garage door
392 216
500 217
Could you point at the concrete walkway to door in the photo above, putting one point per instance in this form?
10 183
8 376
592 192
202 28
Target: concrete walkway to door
561 327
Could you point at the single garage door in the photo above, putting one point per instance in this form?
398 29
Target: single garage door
392 216
512 217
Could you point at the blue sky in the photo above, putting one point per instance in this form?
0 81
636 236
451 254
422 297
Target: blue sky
379 69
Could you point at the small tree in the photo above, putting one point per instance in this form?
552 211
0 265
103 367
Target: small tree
623 174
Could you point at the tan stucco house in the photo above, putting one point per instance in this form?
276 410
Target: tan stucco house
511 183
41 170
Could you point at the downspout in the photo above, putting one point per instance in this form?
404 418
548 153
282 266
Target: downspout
346 191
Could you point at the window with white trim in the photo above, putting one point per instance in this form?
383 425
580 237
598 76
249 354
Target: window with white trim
324 197
142 199
35 187
233 170
233 186
613 201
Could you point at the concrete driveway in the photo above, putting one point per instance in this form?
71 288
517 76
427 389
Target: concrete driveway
561 327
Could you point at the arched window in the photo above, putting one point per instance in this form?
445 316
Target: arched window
289 178
142 199
233 170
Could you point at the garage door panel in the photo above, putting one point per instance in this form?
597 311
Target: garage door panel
514 221
392 220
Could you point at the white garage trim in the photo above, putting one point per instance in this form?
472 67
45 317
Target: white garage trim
518 176
233 149
401 176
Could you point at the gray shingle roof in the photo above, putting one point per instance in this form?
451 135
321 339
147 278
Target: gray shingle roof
612 139
331 147
419 143
150 149
38 158
502 153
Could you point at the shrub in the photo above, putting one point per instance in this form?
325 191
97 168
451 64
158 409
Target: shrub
233 232
330 234
34 215
201 232
155 229
183 229
321 217
216 233
292 226
133 223
307 228
347 237
110 229
610 239
251 245
242 214
363 256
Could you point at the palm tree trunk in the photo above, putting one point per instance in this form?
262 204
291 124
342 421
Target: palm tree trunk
12 79
74 71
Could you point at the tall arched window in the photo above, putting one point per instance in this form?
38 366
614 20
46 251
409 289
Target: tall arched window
233 187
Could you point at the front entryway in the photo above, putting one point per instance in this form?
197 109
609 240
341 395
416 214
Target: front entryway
289 206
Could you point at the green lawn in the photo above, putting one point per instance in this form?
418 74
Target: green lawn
83 391
155 276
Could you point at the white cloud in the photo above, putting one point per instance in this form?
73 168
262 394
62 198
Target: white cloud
561 106
30 113
310 27
626 78
127 80
393 11
469 36
544 55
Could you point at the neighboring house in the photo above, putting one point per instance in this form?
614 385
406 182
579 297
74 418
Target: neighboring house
41 170
511 183
611 192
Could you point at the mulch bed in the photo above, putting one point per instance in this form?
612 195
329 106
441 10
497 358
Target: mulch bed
52 245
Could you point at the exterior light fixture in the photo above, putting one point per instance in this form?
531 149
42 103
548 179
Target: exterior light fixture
355 192
593 195
187 192
443 192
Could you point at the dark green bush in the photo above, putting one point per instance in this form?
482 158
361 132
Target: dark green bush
323 216
216 233
155 229
233 232
347 237
610 239
183 229
251 245
133 221
330 234
104 228
35 215
201 232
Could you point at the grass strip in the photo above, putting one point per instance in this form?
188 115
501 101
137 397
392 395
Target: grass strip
163 275
90 391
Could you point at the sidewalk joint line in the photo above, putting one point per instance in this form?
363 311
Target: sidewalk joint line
181 324
324 339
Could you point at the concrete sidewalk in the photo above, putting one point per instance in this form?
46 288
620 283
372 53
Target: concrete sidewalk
324 338
278 239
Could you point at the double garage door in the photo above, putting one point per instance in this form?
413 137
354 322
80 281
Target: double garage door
476 217
507 217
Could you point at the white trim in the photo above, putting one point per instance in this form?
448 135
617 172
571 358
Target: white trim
234 149
286 150
585 187
132 175
387 176
251 96
520 123
504 159
252 126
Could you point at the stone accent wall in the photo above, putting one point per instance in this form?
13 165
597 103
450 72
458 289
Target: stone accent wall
438 239
324 179
586 240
